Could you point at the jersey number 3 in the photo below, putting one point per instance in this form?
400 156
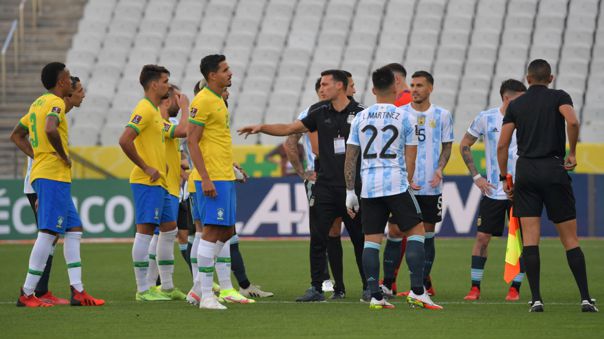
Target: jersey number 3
374 133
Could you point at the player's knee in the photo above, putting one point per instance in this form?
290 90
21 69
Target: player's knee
394 231
483 239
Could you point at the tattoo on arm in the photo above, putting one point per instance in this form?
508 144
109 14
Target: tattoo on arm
445 154
291 149
350 165
466 154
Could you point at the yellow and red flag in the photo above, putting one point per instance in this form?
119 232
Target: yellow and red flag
514 245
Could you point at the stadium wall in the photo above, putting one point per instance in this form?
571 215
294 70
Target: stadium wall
271 207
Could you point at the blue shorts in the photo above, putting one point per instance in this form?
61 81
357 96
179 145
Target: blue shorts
218 211
151 204
194 208
56 211
170 213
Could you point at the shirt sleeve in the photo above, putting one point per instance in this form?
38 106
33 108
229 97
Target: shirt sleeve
353 137
200 112
476 128
509 115
139 120
565 99
57 109
24 121
310 121
447 127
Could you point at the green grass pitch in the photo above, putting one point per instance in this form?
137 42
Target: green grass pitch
282 267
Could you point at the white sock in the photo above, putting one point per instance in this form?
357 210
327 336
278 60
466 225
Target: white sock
165 258
223 265
194 266
140 255
37 261
153 271
71 251
205 262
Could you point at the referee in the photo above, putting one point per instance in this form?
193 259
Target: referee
331 119
539 117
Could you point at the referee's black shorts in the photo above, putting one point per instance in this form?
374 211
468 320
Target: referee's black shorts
402 208
541 182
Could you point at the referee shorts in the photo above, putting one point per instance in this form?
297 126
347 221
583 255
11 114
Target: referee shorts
541 182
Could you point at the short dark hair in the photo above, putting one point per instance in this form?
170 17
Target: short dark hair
540 70
197 87
397 68
511 85
424 74
151 73
74 82
382 78
317 85
210 63
50 74
348 74
338 76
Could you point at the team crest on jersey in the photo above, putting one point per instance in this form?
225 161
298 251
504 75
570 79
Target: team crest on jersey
478 221
60 222
137 119
193 112
421 120
56 110
433 123
220 214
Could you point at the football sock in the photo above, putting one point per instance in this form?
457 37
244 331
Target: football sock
532 264
194 267
415 260
392 256
371 267
477 270
42 287
140 255
223 265
237 264
205 262
400 261
71 251
37 261
576 261
153 271
184 251
519 277
335 260
430 251
165 258
326 275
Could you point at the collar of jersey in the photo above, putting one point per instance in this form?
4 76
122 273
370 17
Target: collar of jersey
157 108
209 89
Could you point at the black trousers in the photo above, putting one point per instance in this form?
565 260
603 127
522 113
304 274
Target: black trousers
330 203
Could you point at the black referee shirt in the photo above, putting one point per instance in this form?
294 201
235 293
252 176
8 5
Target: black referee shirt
331 125
540 127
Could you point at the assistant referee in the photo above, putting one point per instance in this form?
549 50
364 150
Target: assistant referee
539 118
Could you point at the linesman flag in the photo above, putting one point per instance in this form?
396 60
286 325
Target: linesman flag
514 246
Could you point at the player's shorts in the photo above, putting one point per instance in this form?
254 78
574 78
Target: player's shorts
56 211
184 220
220 210
432 207
170 213
376 211
152 204
491 216
543 182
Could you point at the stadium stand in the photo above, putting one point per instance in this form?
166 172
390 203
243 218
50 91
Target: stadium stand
278 47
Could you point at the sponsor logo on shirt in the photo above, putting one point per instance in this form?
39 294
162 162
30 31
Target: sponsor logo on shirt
56 110
137 119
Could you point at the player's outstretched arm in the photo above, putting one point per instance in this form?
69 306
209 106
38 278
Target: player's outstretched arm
52 133
278 130
572 130
181 129
127 145
194 135
19 137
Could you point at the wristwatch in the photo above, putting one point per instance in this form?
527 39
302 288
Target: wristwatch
502 177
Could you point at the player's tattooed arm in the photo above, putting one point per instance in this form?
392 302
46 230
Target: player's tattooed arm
445 154
291 149
350 165
466 152
19 137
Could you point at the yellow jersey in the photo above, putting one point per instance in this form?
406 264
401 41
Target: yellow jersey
172 159
47 163
148 123
208 110
191 182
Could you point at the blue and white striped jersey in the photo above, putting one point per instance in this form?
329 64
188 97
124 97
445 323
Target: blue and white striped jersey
488 124
310 156
382 131
433 127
